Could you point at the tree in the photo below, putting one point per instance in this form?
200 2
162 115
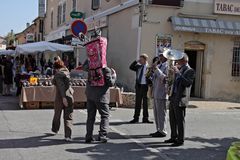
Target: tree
10 38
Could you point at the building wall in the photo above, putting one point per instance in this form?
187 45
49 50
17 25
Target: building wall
122 48
82 6
217 81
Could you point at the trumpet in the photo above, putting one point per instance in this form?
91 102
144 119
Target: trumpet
172 56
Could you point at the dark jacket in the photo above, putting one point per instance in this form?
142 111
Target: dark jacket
102 93
135 66
62 82
183 81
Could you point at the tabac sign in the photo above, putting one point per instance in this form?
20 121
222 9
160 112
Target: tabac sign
231 7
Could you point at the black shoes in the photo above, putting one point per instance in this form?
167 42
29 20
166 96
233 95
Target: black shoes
134 121
137 121
103 139
158 134
147 121
89 140
170 141
175 143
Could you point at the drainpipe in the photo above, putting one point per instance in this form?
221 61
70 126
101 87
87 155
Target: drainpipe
142 7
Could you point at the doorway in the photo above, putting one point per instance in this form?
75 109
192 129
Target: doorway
196 61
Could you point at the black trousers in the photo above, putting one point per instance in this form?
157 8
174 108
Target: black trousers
103 109
177 121
141 100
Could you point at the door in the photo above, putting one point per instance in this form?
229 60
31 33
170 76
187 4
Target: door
195 61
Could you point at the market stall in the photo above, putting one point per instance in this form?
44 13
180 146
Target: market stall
33 96
38 91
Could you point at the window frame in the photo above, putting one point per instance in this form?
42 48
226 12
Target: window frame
236 59
64 8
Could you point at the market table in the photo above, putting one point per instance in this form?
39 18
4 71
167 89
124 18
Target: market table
47 94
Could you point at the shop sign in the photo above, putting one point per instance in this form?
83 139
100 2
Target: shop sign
231 7
207 30
78 15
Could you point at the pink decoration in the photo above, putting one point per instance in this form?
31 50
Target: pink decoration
96 51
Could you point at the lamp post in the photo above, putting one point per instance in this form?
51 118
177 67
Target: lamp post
142 8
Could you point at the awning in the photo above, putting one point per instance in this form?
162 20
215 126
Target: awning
7 52
42 47
205 26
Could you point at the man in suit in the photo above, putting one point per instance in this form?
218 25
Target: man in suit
140 67
184 77
159 95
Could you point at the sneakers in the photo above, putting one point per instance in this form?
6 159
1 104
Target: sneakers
103 139
54 132
68 139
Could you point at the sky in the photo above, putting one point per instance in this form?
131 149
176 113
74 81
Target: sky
14 14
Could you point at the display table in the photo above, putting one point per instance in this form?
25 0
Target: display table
47 94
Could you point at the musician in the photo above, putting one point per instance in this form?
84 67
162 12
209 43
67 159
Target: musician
159 94
140 67
184 77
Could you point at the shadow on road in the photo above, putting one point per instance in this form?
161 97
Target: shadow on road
208 149
9 103
32 142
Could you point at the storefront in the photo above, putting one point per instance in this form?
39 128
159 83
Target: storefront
211 41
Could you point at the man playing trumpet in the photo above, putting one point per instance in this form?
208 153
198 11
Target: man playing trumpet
184 77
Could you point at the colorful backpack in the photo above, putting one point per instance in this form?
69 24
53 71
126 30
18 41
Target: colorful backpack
96 51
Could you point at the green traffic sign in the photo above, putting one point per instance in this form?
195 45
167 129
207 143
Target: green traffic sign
79 15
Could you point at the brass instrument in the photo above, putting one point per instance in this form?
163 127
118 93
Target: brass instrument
172 56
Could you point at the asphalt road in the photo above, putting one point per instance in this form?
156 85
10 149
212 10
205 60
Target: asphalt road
24 135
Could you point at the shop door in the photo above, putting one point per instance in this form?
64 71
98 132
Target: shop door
195 61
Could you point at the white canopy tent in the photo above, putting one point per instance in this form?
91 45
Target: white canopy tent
43 46
7 52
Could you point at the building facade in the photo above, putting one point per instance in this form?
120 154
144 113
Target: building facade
208 30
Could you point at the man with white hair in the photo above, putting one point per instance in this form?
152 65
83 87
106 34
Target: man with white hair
184 77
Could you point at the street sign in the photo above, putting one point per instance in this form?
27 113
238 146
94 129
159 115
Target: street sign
77 27
75 14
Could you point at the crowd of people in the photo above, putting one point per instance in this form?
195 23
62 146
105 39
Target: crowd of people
150 78
15 69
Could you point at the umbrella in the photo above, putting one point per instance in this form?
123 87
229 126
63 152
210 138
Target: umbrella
42 47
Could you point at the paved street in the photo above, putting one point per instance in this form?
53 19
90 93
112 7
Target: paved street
24 135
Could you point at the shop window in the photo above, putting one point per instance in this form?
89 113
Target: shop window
74 5
236 59
64 12
95 4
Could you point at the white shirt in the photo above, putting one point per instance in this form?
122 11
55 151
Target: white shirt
143 80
